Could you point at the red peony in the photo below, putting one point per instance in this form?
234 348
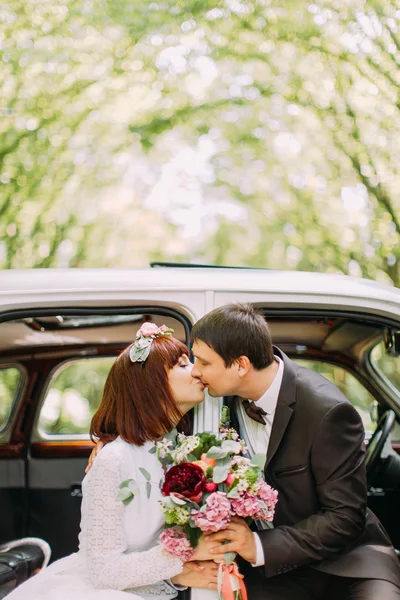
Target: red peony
186 481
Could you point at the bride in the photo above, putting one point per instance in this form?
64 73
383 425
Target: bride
148 390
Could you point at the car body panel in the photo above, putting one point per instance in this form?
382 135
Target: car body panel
186 288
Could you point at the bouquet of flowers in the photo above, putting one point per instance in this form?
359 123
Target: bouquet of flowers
207 481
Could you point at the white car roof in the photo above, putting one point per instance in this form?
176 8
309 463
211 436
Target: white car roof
199 289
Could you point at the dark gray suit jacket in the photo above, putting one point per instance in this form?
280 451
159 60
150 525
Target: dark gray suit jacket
315 460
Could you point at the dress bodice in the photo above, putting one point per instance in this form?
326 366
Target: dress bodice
117 541
142 518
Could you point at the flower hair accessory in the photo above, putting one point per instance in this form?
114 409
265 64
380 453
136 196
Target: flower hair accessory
148 332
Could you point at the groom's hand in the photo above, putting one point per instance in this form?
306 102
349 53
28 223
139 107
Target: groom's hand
240 539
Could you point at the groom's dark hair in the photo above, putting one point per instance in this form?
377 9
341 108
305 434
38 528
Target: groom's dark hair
236 330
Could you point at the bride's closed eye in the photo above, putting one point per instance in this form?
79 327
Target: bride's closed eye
185 363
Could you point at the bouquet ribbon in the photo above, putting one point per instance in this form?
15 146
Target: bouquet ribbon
225 588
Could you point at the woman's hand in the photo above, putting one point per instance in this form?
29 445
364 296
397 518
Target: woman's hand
199 576
202 550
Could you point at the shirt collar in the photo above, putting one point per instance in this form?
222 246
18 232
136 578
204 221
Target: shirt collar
269 399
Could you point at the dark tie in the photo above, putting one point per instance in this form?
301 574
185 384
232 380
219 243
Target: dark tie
254 412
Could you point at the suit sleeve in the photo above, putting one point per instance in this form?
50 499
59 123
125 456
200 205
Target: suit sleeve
337 463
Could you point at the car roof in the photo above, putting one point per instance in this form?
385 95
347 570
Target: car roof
19 288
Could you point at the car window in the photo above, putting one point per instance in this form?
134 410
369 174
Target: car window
73 396
358 395
10 384
389 365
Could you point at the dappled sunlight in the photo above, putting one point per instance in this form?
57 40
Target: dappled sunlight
275 123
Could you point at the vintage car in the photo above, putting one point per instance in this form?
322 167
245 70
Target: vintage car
60 331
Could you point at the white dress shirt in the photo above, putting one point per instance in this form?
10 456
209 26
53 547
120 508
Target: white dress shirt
257 435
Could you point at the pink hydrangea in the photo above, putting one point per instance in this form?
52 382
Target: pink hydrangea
245 506
217 514
258 506
149 329
176 543
268 495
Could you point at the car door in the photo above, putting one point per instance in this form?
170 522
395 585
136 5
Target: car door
59 442
45 445
60 448
13 381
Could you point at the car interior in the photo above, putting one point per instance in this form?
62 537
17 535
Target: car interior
53 365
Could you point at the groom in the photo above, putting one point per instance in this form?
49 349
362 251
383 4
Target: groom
325 542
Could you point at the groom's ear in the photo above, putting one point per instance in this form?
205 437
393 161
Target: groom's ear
243 365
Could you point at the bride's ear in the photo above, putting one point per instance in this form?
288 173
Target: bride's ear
243 365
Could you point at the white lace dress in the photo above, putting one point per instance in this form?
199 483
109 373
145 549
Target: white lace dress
118 554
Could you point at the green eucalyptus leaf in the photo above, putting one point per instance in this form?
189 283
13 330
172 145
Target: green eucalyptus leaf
153 450
224 462
258 460
215 452
168 502
231 446
125 493
220 474
176 500
131 485
127 501
148 489
145 473
124 483
233 493
171 435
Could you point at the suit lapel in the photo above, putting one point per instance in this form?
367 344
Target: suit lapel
282 417
283 412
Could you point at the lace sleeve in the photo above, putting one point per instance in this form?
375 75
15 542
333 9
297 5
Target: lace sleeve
108 565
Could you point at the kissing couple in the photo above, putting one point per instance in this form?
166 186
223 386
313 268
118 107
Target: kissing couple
325 543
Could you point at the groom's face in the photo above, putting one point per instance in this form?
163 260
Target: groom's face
210 369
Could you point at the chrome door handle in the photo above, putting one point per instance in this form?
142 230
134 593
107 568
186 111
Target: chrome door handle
76 490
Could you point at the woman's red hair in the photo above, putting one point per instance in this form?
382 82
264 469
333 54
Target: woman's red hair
137 401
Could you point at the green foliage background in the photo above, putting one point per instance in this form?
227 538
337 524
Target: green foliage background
249 132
